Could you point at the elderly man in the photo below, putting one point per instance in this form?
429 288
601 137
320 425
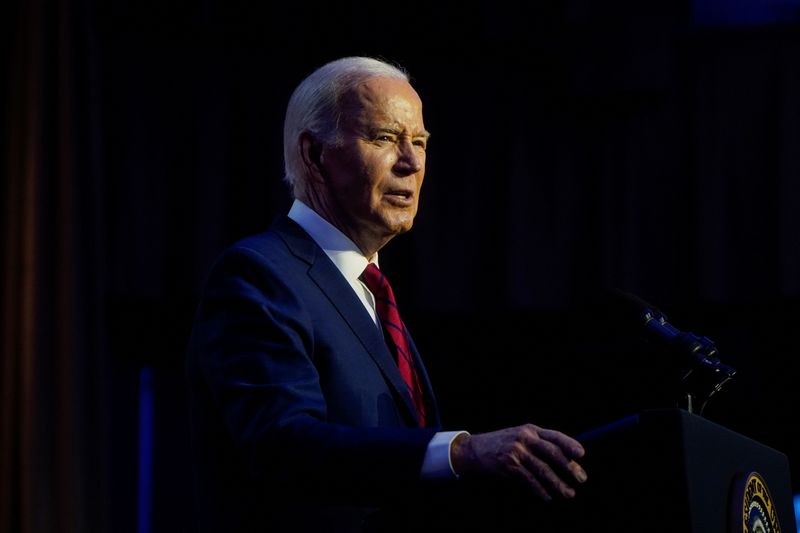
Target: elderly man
311 406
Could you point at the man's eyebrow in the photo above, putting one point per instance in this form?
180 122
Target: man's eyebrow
425 134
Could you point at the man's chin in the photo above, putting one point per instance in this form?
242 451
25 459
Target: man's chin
401 227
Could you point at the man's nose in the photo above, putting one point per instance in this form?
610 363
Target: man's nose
411 158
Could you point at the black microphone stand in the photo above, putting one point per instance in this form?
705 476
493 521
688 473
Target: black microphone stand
703 375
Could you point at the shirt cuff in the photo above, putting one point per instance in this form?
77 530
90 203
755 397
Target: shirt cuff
437 463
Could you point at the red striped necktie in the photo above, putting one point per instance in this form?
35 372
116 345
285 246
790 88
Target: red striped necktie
395 333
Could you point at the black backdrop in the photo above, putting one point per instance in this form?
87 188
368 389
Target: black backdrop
575 146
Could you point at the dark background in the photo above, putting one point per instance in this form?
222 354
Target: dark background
577 145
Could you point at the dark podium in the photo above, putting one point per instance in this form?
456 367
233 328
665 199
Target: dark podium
668 470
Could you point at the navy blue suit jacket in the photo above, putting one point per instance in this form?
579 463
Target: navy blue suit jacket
301 420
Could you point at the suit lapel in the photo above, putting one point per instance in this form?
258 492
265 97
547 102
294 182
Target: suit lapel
431 405
331 282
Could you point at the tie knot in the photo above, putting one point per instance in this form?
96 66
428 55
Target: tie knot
374 279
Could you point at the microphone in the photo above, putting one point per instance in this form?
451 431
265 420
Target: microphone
657 328
704 373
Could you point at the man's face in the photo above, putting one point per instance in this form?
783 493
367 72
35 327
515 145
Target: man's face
375 173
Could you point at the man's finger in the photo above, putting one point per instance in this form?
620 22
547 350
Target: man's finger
570 446
550 448
528 478
546 476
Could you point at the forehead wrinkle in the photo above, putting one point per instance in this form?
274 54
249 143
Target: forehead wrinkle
374 110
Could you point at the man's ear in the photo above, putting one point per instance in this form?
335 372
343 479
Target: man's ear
311 152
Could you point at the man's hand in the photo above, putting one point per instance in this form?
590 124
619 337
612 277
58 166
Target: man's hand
542 459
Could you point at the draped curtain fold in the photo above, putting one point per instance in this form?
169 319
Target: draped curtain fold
53 428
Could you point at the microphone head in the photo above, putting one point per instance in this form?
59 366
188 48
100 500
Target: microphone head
630 308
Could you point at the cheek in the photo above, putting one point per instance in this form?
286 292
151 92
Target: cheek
419 180
354 181
374 172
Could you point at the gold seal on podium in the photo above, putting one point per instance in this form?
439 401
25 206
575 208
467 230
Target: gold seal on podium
752 507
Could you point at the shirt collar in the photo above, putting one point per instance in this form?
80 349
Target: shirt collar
337 246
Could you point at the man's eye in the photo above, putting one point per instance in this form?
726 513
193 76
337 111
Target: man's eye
385 138
422 144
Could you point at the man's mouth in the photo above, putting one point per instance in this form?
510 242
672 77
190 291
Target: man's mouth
400 196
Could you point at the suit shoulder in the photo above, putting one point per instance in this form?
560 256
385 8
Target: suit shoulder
264 250
283 247
264 244
274 242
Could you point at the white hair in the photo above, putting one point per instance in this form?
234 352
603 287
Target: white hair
315 106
